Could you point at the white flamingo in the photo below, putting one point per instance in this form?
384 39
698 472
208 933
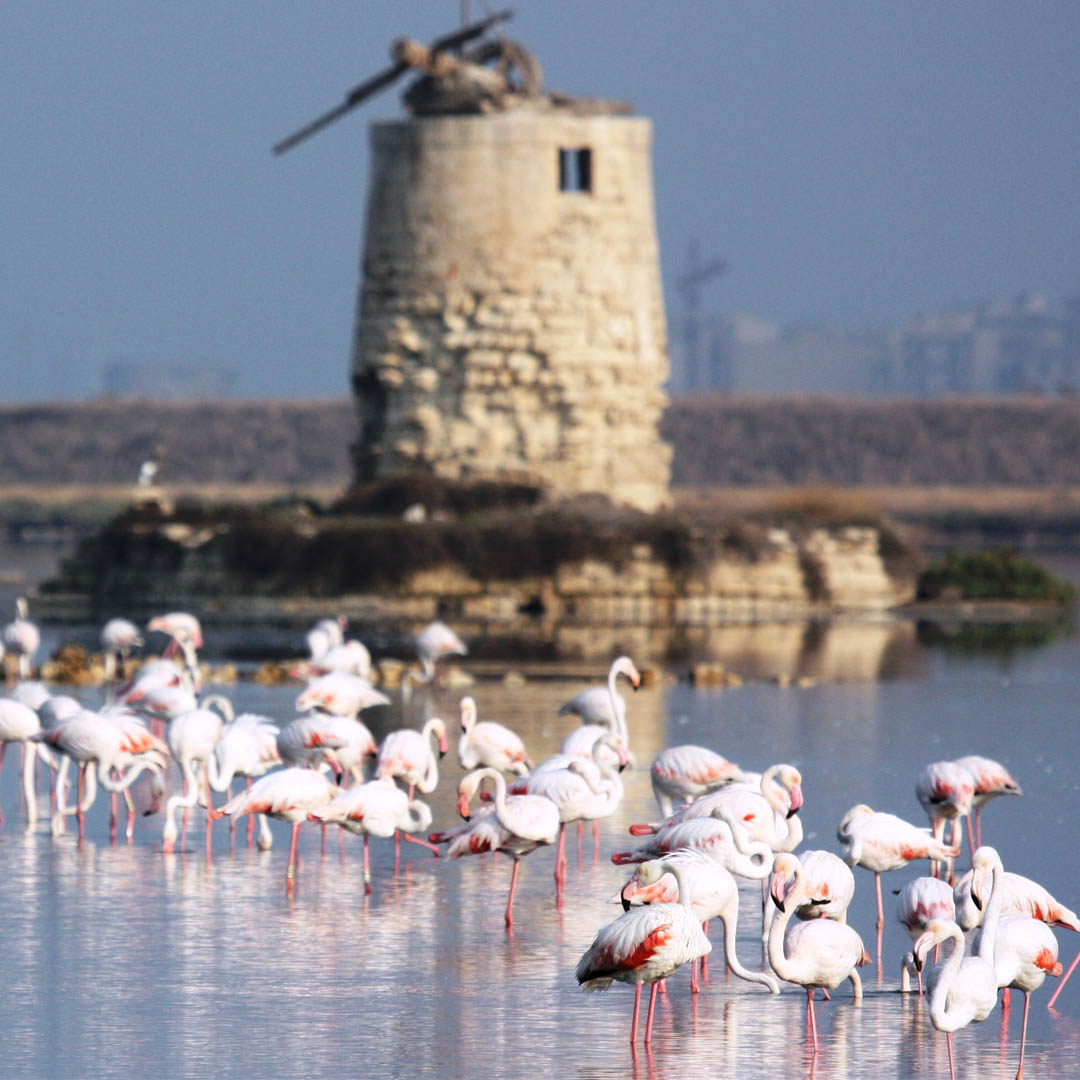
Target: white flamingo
434 643
597 719
817 953
20 724
991 780
118 638
921 901
22 639
485 742
645 945
945 790
683 773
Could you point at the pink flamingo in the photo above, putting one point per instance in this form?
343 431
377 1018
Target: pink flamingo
377 808
645 944
193 737
991 780
118 638
945 790
881 842
684 772
528 821
342 741
341 694
713 894
1021 950
434 643
20 724
487 743
583 791
289 795
603 711
963 989
819 952
921 901
406 755
181 626
21 639
248 747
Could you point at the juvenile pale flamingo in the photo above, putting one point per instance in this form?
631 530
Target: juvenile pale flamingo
1021 950
289 795
818 952
713 894
529 821
962 989
377 808
881 842
682 773
434 643
991 780
945 790
485 742
645 944
921 901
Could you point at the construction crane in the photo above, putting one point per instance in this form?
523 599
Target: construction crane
689 285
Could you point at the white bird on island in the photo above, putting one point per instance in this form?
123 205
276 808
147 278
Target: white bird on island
485 742
22 639
289 795
685 772
434 643
816 953
377 808
962 989
645 944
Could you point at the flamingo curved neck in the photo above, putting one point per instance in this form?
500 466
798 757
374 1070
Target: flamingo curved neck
992 915
618 717
947 972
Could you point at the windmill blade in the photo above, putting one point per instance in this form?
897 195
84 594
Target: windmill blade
384 78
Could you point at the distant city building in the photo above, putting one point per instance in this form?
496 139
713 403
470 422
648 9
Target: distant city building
177 380
1025 346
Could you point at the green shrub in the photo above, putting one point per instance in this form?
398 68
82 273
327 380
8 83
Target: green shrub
991 575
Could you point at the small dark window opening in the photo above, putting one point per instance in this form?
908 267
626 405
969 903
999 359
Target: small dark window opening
575 169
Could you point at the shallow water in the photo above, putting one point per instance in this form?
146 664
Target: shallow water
122 961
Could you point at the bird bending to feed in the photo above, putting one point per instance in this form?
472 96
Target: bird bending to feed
962 989
287 794
248 747
713 894
645 944
921 901
118 638
819 952
991 780
485 742
684 772
341 694
20 724
945 790
377 808
528 821
1021 950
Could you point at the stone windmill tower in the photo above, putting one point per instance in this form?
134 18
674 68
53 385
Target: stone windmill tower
510 322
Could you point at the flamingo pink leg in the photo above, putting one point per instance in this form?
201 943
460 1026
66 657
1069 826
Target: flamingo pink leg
209 818
694 987
251 822
813 1021
595 841
952 1066
290 871
560 858
3 751
80 817
637 1006
510 899
1023 1038
649 1019
433 848
114 813
1061 985
367 868
704 964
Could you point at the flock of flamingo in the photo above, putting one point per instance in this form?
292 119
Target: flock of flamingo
718 822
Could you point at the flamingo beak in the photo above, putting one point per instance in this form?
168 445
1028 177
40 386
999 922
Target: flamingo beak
442 747
463 805
627 893
796 799
778 890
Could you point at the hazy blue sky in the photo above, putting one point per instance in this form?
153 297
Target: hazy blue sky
855 162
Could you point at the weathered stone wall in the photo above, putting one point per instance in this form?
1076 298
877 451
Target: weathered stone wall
505 327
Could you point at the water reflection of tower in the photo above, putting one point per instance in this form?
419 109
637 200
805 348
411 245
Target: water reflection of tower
705 360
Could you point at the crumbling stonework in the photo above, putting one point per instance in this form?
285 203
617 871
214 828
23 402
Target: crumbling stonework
507 328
